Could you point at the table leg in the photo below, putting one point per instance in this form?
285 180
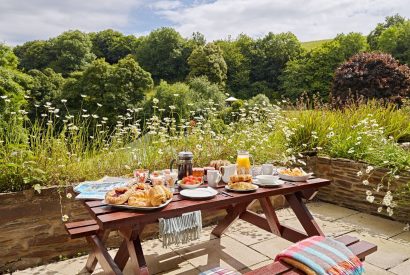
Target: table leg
134 250
101 253
230 217
302 213
270 215
122 256
92 258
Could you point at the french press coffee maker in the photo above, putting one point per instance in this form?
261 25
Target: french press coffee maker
184 164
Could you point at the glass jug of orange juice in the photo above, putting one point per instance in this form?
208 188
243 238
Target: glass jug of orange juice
243 163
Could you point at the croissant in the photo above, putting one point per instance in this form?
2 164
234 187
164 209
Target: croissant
159 194
139 198
241 178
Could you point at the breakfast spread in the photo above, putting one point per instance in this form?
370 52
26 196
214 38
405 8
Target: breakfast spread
295 172
241 182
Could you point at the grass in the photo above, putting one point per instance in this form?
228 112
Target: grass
309 45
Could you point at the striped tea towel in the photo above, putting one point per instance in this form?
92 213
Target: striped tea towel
182 229
321 255
219 271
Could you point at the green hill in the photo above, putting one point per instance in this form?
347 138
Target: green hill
313 44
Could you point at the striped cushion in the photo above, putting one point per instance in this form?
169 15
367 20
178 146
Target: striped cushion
219 271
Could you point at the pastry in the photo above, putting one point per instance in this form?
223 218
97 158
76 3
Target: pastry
118 195
139 186
241 178
159 194
241 185
140 199
295 172
219 163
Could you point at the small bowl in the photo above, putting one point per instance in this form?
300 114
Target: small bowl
266 179
293 178
188 186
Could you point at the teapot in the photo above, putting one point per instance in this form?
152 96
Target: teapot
184 164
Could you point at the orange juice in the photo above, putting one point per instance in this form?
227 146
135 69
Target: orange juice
243 163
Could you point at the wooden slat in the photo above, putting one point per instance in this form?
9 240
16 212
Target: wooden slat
362 248
71 225
347 239
83 231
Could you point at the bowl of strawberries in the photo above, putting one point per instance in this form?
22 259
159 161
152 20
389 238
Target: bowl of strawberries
190 182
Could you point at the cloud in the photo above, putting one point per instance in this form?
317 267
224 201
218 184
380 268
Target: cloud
309 20
23 20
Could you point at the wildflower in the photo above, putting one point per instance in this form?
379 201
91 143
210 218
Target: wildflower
37 187
85 116
36 105
370 199
85 111
7 100
127 167
369 169
160 152
48 104
368 192
359 138
229 140
83 96
172 107
380 209
64 218
176 95
3 96
92 137
396 177
99 105
302 162
329 135
199 147
407 227
104 118
43 115
365 182
155 100
389 211
95 116
69 195
161 110
360 173
350 151
63 100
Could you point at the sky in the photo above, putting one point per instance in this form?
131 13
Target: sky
25 20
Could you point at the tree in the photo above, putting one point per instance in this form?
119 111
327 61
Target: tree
105 89
371 75
208 61
373 37
70 51
313 73
46 87
269 57
162 54
238 73
206 94
113 45
396 41
7 58
33 55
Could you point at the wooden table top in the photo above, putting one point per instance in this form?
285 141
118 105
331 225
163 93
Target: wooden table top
109 217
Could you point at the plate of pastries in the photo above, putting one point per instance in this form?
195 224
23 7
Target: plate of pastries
139 196
241 183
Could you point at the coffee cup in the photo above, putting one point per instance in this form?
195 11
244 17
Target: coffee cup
267 169
213 177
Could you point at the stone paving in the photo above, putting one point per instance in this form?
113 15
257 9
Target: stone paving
245 247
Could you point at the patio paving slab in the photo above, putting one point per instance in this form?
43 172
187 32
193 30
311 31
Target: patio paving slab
245 247
376 225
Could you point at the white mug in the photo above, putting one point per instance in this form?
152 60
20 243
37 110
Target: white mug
227 172
267 169
213 177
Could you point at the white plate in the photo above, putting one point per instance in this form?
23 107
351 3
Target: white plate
126 206
276 183
199 193
247 190
188 186
295 178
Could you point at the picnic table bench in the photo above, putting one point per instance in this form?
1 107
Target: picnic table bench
131 223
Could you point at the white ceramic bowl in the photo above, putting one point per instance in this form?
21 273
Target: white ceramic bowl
267 179
188 186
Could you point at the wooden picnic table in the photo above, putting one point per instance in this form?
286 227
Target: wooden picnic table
130 223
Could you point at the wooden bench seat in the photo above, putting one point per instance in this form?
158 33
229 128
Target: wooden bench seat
81 229
360 248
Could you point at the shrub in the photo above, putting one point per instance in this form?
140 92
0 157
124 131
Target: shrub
371 75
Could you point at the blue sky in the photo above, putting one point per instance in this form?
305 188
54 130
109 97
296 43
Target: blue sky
23 20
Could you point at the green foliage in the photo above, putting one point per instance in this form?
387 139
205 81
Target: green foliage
163 54
205 94
314 72
371 75
106 89
271 53
46 87
7 57
70 51
208 61
113 45
374 35
396 41
34 55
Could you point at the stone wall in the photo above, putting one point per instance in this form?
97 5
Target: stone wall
348 190
32 232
